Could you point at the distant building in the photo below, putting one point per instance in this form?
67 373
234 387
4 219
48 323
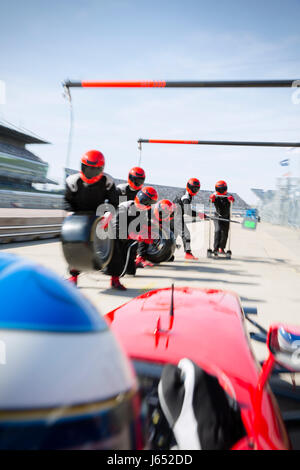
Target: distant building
262 195
282 205
20 168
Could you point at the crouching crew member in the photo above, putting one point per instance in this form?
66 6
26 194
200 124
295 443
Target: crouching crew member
221 201
136 179
128 234
164 211
89 188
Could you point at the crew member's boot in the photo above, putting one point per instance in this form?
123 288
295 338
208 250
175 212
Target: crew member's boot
115 283
74 277
141 262
189 255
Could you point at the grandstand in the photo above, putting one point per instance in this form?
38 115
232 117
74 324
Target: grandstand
19 167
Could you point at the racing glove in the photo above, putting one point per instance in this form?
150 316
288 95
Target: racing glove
230 198
142 236
212 197
105 219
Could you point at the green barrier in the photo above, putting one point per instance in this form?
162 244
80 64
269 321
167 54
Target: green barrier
249 224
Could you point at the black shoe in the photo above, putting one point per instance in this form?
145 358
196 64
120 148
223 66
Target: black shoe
131 270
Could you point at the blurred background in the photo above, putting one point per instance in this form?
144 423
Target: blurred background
42 44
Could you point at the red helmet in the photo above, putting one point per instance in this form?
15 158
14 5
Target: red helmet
136 178
164 210
221 187
193 186
145 198
92 165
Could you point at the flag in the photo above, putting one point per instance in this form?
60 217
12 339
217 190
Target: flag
285 162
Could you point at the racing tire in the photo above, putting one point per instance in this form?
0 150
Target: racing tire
161 249
86 246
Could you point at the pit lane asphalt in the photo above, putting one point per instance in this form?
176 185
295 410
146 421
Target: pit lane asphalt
264 271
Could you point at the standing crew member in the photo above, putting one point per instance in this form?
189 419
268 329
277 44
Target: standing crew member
184 203
126 233
136 178
89 188
222 203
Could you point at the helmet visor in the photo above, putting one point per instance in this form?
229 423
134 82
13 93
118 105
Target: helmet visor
221 189
193 188
145 200
137 181
91 171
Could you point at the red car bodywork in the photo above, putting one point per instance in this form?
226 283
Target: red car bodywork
208 327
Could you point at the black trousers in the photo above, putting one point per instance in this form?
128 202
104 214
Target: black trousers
182 230
123 250
142 249
221 234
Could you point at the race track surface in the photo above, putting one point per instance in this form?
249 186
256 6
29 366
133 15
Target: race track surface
264 271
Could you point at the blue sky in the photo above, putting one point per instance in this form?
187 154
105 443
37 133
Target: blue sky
42 43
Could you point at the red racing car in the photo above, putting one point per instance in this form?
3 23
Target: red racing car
208 326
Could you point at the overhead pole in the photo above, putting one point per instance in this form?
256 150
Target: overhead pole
284 83
218 142
266 83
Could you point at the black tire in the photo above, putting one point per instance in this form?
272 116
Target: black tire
162 249
84 248
103 245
